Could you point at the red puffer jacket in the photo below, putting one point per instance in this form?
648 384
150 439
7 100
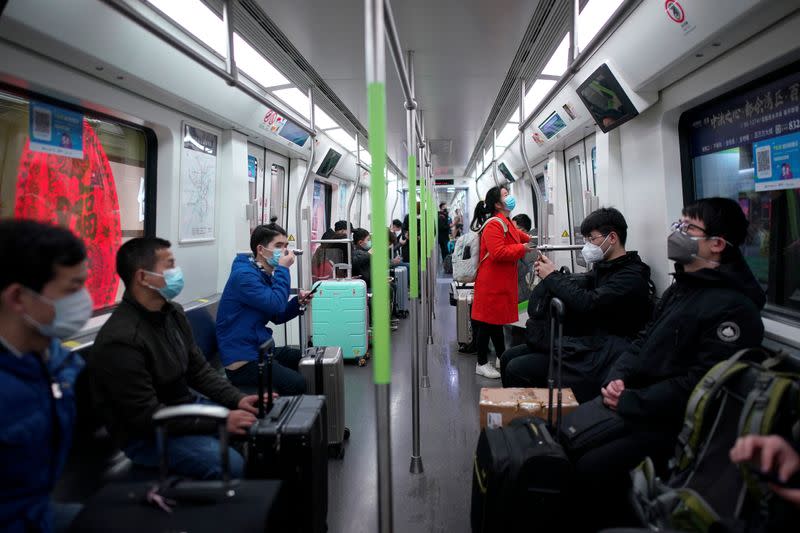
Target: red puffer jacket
495 300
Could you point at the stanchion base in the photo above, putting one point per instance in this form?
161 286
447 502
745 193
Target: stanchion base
426 382
416 465
430 340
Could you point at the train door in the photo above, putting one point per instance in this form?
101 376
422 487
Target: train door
278 205
581 187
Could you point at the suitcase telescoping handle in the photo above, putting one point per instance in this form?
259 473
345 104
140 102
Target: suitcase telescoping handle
556 314
193 410
265 352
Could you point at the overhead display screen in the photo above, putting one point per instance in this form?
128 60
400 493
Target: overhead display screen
603 96
505 171
328 163
552 125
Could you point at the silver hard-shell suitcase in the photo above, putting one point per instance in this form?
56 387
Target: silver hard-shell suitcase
401 291
463 317
323 369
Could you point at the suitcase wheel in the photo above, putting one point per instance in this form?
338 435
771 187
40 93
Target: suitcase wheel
346 433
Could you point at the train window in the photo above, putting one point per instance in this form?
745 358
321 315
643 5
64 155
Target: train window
341 201
320 211
278 175
88 173
255 179
744 146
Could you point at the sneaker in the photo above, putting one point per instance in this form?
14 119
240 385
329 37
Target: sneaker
487 371
497 363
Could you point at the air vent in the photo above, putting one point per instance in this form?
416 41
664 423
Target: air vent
441 146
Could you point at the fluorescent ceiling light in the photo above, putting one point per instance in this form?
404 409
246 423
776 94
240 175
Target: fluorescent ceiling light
507 135
487 157
322 120
536 93
296 99
249 61
197 19
559 61
343 138
595 13
366 157
514 118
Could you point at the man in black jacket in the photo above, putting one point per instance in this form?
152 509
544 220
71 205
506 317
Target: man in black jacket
609 303
145 358
443 233
711 311
362 244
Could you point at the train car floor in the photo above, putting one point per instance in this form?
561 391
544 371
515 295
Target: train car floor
437 500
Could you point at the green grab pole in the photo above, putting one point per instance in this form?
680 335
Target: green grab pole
379 264
423 219
413 230
431 240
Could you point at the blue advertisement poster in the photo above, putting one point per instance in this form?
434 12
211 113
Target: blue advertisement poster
777 162
57 131
252 168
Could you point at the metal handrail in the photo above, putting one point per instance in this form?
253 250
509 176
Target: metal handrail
393 40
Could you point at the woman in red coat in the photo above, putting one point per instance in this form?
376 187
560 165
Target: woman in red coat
495 300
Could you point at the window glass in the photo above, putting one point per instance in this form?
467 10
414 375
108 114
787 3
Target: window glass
81 172
319 215
277 187
746 146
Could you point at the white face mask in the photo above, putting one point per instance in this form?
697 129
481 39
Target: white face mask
71 314
593 253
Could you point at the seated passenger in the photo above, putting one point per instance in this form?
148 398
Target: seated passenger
525 271
362 244
709 313
610 300
325 257
145 358
341 229
257 292
43 299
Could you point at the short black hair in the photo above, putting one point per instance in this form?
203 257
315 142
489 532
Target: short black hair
138 253
341 225
359 234
523 221
264 234
605 220
32 251
442 204
397 223
724 218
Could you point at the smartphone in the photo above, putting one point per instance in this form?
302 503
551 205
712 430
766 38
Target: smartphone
771 477
315 287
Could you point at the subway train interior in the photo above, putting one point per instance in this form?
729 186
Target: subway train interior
202 121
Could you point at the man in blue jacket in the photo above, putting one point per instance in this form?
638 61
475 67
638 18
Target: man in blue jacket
43 299
257 292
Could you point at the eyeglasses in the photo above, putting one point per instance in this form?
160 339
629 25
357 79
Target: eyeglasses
684 227
592 238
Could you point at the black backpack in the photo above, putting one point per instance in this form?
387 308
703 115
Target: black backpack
537 327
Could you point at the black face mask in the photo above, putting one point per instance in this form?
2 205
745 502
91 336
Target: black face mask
682 248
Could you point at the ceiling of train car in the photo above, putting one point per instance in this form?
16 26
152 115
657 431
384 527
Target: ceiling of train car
463 49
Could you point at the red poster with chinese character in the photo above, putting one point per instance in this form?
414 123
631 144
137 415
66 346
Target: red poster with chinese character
79 194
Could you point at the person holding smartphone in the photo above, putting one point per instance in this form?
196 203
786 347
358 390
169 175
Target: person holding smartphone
257 293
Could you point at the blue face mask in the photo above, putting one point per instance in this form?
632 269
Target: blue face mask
367 245
174 283
272 261
510 202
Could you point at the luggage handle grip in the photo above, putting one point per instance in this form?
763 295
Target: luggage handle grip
556 315
265 351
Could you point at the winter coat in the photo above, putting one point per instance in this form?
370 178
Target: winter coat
361 265
495 298
144 360
35 433
703 318
250 300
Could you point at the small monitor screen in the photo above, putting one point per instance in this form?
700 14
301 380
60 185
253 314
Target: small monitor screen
505 171
328 163
603 96
552 125
294 133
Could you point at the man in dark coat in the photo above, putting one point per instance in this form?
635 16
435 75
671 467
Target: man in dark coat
609 303
711 311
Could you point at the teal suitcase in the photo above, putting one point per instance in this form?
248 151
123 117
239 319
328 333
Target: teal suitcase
339 317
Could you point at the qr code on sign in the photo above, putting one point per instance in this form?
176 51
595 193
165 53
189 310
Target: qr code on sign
42 124
764 162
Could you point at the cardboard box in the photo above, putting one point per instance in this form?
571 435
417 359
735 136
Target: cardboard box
498 407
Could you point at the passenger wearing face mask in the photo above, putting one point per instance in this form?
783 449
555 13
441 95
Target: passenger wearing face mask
710 312
145 358
257 293
43 300
362 246
606 306
494 303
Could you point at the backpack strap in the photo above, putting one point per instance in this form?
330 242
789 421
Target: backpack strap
706 389
480 232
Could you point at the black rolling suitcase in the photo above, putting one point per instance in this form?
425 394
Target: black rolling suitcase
184 505
520 472
289 441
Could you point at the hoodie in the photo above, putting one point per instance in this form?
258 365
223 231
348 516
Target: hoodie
250 300
703 318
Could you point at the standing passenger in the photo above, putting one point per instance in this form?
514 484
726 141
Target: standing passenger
257 292
43 299
495 300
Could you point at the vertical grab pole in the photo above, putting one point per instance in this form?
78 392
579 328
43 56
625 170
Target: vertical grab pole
416 455
376 108
299 217
425 381
230 62
541 213
350 207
